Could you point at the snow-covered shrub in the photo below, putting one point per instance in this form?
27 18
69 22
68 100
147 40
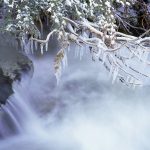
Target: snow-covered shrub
85 22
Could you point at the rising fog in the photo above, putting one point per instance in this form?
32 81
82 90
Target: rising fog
84 112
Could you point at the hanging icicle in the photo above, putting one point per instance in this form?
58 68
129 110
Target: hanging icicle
47 20
111 70
41 46
22 44
104 58
46 46
81 52
131 81
36 45
41 25
134 85
115 74
32 49
140 53
87 50
77 50
99 53
145 56
128 79
27 47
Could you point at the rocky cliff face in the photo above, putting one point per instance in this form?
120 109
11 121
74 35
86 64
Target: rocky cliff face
13 63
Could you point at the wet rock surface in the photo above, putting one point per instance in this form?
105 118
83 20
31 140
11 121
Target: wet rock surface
13 63
5 87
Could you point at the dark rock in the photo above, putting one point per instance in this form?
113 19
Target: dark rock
5 87
134 19
13 63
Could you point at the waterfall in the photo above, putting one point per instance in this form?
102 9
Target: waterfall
17 113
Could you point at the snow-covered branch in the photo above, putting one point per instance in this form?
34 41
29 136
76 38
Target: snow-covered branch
89 24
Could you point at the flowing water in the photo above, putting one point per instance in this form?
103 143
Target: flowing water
84 112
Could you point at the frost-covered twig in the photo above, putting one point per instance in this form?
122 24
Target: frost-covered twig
47 38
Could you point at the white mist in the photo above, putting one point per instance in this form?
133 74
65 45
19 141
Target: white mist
85 112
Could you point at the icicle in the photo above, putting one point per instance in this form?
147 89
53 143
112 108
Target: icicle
27 47
100 52
145 57
47 20
104 58
131 81
66 61
134 85
42 31
140 53
81 53
77 52
111 71
42 48
36 45
21 44
87 50
39 35
46 46
116 70
128 79
32 49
